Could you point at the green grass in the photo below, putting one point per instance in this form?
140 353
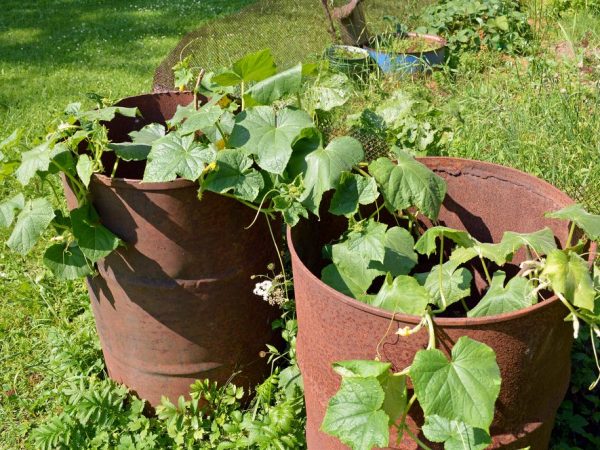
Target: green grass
53 53
538 115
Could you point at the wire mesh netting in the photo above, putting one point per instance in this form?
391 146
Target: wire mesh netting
297 31
294 30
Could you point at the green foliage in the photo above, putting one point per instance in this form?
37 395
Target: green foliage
408 183
557 8
405 121
469 26
518 294
464 388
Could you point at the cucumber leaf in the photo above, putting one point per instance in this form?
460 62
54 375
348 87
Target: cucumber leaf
569 275
355 416
94 240
175 155
32 221
455 435
252 67
67 262
464 388
589 223
275 87
324 167
8 208
269 135
351 191
403 295
518 294
456 283
234 173
426 244
408 183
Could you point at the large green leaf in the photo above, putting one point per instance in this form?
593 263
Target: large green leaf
569 275
107 114
234 173
269 135
148 134
366 241
11 140
324 167
330 92
518 294
464 388
426 244
403 295
454 284
350 272
394 386
589 223
33 219
361 368
85 169
409 183
175 155
252 67
351 191
67 262
368 252
396 398
354 414
202 120
275 87
455 435
498 253
399 257
541 242
94 239
131 151
8 208
32 161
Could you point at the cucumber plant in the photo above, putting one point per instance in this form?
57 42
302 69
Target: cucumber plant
251 141
457 395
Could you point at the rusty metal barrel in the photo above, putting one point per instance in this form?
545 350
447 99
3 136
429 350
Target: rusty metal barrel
175 303
533 345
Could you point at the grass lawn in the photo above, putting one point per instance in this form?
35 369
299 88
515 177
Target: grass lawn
53 52
538 114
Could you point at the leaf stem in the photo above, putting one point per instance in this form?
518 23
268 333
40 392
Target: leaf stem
571 232
223 135
198 81
417 440
116 165
285 283
430 331
81 189
362 172
248 204
485 270
441 280
376 212
242 92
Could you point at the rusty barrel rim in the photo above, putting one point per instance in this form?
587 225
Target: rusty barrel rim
446 164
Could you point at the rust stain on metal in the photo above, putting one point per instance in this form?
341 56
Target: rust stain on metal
175 304
533 346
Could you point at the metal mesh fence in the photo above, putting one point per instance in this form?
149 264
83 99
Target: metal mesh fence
294 30
297 31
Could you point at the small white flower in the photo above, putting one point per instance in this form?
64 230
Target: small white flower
262 289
